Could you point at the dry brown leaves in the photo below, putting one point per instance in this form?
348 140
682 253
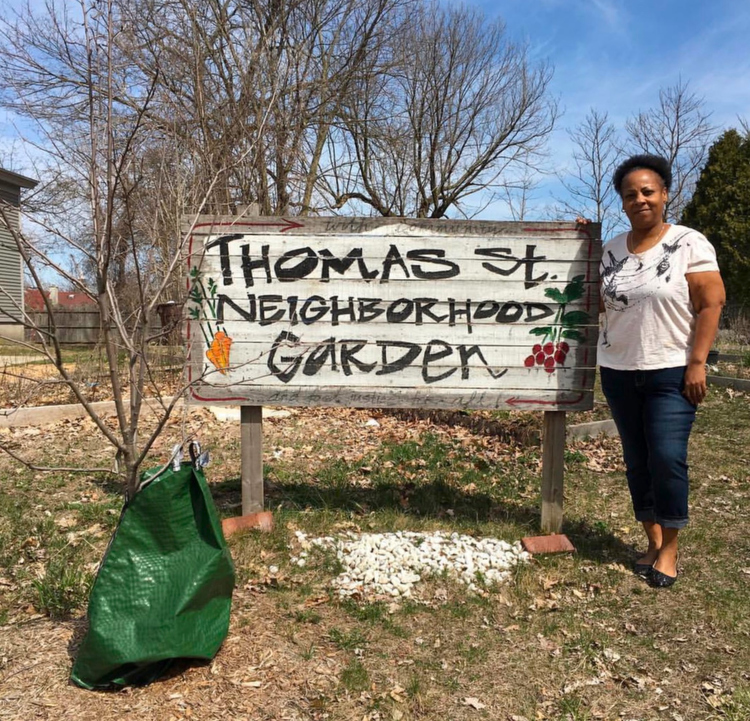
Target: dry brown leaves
40 384
259 674
603 454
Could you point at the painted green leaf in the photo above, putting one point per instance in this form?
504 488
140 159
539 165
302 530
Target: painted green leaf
574 289
195 272
575 317
195 313
574 334
556 295
196 296
541 331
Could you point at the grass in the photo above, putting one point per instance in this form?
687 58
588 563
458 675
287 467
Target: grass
424 478
64 587
354 677
9 348
572 708
568 638
738 707
607 637
414 688
347 640
307 616
49 567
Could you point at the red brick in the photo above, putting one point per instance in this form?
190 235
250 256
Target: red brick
263 521
555 543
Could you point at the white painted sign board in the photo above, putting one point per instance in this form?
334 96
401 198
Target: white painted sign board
384 312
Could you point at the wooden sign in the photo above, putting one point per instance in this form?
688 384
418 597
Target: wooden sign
393 313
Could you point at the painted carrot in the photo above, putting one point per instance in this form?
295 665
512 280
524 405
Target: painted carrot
218 353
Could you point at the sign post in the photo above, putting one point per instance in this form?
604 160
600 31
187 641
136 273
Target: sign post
553 460
251 458
394 313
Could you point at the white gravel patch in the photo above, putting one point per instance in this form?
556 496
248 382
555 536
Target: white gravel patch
391 564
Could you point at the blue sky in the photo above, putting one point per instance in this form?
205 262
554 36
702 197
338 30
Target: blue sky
616 55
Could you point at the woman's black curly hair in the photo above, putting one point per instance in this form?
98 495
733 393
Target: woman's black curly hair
643 162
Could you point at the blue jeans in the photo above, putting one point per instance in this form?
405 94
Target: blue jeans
654 421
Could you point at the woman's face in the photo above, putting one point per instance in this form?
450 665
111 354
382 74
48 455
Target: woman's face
643 198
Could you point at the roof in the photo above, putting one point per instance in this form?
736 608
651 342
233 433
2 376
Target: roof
65 300
21 181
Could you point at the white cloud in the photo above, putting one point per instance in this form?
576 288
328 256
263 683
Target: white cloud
611 13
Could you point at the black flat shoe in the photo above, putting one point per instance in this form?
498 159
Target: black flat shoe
643 569
657 579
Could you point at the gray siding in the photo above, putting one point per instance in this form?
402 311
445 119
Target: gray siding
11 276
10 194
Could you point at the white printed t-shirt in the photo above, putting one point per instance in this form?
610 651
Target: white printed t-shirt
649 320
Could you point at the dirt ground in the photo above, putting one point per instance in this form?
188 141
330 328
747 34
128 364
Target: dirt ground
568 638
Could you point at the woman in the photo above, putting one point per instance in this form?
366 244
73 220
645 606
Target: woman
661 298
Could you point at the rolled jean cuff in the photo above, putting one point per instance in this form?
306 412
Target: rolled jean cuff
672 522
648 515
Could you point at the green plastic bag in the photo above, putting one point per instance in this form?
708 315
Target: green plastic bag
164 589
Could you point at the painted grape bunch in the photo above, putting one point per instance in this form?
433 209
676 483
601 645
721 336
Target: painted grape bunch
548 355
553 349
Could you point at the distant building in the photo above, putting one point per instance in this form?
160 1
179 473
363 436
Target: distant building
59 299
11 265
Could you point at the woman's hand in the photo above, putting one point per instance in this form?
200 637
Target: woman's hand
695 383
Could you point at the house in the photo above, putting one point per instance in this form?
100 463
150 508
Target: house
59 299
76 315
11 265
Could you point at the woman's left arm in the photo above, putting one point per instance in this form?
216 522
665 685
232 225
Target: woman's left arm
708 297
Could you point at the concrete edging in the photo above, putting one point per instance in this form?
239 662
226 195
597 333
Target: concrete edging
593 428
44 415
739 384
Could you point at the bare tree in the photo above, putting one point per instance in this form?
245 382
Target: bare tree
459 106
264 74
589 181
517 193
65 71
680 130
143 111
